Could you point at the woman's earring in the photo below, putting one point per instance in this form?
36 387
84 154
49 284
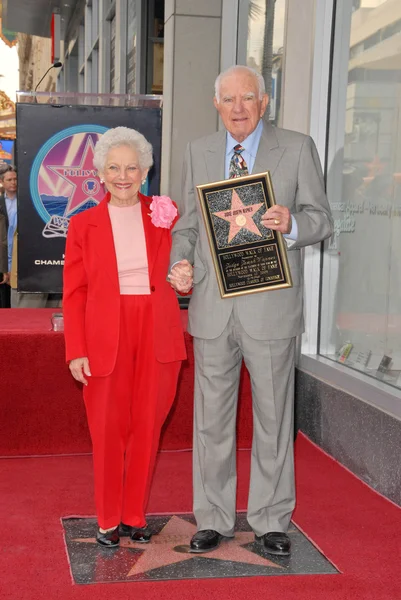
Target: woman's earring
101 181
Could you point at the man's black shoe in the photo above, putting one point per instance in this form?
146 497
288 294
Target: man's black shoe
275 542
206 540
110 539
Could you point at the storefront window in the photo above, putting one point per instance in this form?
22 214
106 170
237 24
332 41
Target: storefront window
265 43
361 301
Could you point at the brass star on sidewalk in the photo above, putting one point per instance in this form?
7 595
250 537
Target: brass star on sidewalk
240 216
170 546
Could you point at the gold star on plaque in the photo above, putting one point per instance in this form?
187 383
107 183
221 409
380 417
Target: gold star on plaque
240 216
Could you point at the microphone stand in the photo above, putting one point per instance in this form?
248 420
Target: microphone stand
55 65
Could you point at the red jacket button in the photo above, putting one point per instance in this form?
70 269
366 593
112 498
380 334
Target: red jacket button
152 289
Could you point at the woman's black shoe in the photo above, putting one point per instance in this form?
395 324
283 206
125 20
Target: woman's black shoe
110 539
141 534
137 534
125 530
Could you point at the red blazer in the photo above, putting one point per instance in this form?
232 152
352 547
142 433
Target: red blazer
91 297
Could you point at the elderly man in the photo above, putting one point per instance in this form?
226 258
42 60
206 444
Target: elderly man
8 208
260 328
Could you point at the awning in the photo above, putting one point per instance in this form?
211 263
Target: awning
29 16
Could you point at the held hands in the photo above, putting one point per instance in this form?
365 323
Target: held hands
278 218
6 278
181 277
80 367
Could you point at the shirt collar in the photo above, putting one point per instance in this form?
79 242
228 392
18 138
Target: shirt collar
248 144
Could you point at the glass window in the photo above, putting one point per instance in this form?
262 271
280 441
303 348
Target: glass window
155 47
361 301
81 46
265 47
112 54
95 20
88 29
132 28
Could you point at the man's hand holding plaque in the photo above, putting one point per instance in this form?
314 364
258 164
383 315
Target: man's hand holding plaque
277 218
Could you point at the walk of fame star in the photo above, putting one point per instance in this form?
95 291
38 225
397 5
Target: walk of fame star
170 546
240 216
77 176
167 556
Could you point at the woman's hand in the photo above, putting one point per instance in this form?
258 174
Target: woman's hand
80 367
181 276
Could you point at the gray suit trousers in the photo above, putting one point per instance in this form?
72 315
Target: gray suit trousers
217 371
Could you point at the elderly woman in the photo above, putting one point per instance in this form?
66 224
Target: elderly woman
123 332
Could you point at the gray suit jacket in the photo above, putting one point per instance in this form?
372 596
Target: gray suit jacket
297 177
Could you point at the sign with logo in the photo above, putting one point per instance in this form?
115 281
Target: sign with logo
57 179
63 180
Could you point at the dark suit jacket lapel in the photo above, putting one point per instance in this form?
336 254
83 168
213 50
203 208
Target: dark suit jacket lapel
3 208
269 152
215 157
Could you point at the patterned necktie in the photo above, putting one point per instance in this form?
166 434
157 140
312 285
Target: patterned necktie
238 166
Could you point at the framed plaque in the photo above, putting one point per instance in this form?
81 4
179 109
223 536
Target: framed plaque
248 257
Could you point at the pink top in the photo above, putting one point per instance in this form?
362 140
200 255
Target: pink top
130 246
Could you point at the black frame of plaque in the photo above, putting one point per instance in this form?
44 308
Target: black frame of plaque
269 250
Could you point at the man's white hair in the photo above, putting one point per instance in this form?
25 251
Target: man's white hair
239 69
123 136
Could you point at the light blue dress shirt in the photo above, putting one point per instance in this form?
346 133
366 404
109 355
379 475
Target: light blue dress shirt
11 205
251 145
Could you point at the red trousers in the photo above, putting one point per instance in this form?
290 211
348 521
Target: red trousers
125 412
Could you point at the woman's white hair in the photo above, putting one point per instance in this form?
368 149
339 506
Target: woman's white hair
123 136
239 69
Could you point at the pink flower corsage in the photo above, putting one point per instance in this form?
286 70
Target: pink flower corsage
163 211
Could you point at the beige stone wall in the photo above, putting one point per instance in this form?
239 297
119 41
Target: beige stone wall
35 58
